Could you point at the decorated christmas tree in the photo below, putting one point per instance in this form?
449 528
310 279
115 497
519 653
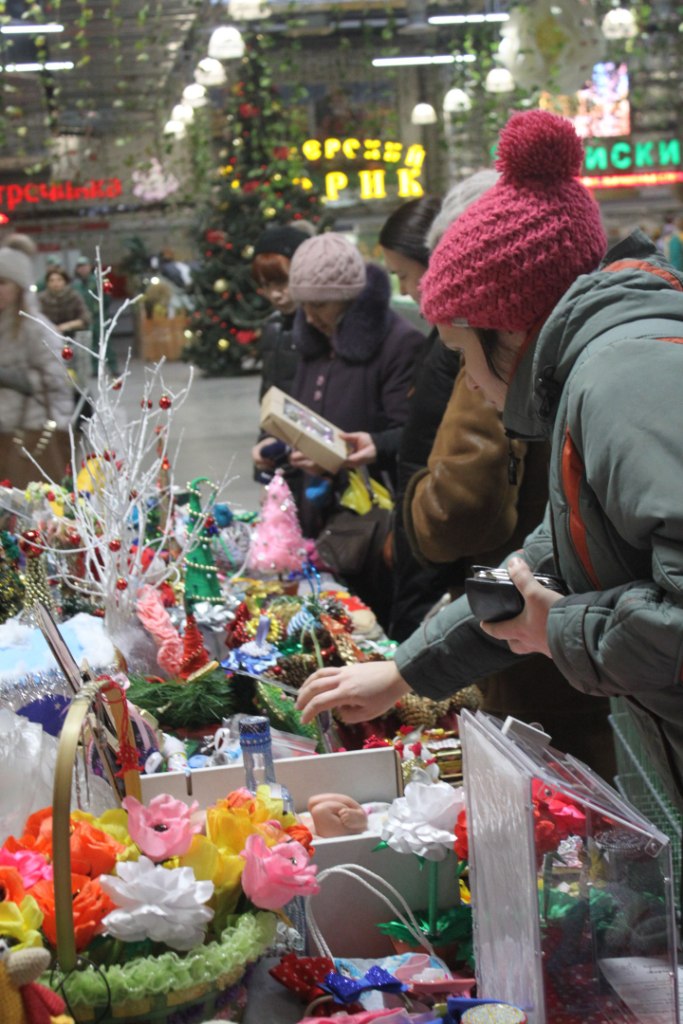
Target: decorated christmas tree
277 544
260 181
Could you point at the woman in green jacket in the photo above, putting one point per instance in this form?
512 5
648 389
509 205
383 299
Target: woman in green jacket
588 353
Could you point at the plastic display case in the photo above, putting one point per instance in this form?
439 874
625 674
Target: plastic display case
571 887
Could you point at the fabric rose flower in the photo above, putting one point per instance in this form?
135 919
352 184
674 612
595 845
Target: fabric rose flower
422 821
164 828
11 885
93 852
89 905
162 904
32 867
274 875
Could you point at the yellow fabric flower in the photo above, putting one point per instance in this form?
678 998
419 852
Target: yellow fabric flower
228 826
21 922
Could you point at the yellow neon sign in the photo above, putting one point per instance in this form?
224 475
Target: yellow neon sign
371 180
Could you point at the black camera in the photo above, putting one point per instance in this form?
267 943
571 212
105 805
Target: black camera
493 597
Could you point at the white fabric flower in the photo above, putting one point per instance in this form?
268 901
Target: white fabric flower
423 820
162 904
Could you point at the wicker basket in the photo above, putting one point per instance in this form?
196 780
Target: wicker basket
218 988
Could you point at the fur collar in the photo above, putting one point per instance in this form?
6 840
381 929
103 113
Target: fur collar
365 325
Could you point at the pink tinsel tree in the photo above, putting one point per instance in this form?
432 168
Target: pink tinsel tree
277 544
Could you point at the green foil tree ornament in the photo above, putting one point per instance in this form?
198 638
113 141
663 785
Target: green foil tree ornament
201 574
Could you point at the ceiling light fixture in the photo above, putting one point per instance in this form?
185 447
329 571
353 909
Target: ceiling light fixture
176 128
194 94
248 10
499 80
423 113
444 58
619 23
209 72
182 112
226 43
466 19
31 30
51 65
456 101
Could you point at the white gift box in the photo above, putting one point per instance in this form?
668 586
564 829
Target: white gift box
346 912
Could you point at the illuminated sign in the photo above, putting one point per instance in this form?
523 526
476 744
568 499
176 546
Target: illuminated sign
370 181
624 155
12 196
632 180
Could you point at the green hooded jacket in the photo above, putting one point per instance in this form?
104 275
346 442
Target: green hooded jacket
604 382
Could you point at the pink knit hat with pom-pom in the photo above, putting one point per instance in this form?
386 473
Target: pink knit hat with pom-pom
508 259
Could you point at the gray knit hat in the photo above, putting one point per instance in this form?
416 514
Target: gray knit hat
326 268
16 266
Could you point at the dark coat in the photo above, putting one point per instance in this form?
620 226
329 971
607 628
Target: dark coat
418 586
279 354
361 381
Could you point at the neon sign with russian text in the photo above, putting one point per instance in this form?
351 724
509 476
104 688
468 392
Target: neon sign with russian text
12 196
371 181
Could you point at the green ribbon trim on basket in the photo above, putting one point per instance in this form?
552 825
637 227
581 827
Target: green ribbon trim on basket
220 964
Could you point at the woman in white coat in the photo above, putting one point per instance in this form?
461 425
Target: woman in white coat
36 392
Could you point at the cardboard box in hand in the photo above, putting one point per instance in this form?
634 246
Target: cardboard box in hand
297 425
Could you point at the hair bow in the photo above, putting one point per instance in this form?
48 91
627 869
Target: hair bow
302 974
347 990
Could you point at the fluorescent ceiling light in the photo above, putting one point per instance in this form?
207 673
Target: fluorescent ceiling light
466 19
51 65
34 30
444 58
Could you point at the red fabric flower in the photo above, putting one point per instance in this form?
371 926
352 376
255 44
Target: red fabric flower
460 845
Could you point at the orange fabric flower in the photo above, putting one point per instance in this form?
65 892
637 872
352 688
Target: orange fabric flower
89 903
93 852
300 834
11 886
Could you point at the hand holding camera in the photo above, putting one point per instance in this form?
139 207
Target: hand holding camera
493 597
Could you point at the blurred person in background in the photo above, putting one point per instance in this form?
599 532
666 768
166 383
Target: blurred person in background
36 393
63 306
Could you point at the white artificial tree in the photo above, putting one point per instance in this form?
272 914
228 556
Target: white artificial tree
126 478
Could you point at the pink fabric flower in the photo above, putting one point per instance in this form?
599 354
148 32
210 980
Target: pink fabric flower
164 828
157 621
31 865
274 875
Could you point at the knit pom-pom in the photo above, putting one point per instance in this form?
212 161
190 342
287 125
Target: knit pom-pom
539 148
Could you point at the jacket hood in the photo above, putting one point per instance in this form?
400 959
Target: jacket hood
361 332
595 303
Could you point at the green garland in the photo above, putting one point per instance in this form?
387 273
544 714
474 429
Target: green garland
191 705
221 963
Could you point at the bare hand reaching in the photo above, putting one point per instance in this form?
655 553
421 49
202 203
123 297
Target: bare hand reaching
358 692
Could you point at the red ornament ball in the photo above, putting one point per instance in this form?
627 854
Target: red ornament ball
165 402
50 495
146 404
115 544
107 286
67 353
209 522
29 543
121 584
117 385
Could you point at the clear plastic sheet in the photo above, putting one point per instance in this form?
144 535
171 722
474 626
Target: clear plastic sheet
571 887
